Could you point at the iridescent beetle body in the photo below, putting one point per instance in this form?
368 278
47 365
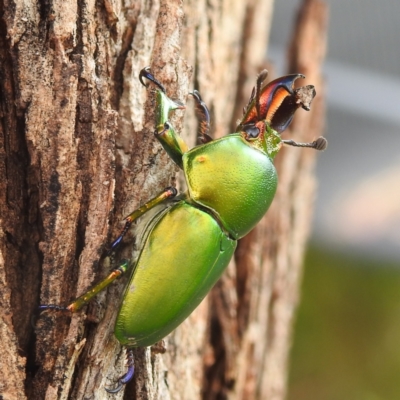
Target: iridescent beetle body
189 240
169 282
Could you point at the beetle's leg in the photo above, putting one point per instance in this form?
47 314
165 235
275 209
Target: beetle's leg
166 194
81 301
320 144
173 144
145 73
203 116
127 376
165 133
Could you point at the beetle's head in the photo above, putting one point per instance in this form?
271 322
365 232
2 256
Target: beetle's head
271 109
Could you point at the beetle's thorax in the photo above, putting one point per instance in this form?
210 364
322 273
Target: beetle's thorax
234 179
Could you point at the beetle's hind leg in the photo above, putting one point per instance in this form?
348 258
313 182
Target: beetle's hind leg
84 299
124 265
124 379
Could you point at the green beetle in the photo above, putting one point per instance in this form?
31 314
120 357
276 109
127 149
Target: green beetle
231 183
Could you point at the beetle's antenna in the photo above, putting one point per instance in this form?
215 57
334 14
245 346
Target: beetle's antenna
145 73
319 144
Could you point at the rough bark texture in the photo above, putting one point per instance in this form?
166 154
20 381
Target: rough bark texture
78 154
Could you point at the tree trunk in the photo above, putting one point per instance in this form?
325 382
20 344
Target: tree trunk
78 154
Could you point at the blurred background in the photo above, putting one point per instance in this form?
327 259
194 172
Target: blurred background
347 332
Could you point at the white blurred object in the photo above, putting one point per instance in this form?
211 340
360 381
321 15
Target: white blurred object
370 211
358 204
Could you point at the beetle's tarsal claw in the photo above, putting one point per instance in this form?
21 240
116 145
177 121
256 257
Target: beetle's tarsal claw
196 95
145 73
115 390
126 377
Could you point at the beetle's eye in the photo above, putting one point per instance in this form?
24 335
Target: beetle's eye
252 131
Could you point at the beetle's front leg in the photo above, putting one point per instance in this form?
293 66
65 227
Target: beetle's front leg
171 142
165 132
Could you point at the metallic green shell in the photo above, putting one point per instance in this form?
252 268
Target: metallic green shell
183 255
235 181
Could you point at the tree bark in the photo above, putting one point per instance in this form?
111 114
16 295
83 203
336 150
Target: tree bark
78 154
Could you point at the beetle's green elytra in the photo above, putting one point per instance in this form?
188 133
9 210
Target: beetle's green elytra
168 284
186 242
